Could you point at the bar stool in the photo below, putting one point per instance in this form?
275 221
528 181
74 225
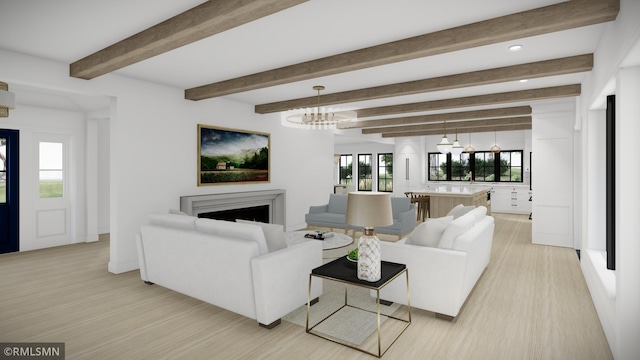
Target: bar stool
424 204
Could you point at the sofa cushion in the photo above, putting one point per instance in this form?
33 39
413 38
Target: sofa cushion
177 212
460 210
273 233
173 221
337 204
234 230
480 212
429 232
455 229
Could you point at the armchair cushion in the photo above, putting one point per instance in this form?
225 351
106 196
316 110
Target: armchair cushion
429 232
337 204
456 228
273 233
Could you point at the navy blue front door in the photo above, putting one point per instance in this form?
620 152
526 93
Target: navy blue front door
9 191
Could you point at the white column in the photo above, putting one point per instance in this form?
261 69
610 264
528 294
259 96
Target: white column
627 205
91 180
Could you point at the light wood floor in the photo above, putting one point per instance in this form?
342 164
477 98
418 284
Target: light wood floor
531 303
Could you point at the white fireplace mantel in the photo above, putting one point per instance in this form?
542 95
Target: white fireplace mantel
275 199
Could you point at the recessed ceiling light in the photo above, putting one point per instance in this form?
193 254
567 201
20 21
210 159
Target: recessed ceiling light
515 47
524 80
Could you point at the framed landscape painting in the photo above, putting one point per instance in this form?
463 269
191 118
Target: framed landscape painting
230 156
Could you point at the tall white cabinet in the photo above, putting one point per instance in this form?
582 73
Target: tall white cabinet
552 172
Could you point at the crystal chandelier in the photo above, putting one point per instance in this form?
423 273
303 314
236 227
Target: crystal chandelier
318 118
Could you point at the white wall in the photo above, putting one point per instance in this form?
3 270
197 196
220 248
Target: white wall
616 295
153 156
34 123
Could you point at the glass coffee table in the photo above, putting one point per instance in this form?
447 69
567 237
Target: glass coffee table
336 241
344 271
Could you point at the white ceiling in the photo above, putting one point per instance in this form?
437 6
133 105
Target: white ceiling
68 30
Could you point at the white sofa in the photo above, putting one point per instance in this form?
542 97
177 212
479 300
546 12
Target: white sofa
228 264
442 272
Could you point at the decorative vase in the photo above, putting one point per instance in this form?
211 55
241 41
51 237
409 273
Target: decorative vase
369 256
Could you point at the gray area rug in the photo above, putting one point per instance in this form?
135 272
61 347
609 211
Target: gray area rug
348 324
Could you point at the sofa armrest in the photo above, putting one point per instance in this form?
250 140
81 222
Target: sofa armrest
436 277
281 280
318 209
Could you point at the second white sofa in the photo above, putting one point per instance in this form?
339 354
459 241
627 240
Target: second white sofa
229 265
445 267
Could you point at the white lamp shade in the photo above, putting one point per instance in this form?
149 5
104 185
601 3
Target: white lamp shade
445 146
470 149
369 209
495 149
456 148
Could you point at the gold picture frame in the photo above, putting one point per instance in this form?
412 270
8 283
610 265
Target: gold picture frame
232 156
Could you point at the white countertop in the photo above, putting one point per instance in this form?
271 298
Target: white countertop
452 189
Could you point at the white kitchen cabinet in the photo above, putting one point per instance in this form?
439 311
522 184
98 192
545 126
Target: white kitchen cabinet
511 199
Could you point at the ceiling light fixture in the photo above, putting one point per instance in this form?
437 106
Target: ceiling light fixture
456 148
318 118
7 100
469 149
495 148
516 47
444 147
524 80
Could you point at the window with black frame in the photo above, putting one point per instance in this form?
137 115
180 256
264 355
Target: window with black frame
511 166
484 166
346 166
481 166
364 172
437 167
385 172
460 167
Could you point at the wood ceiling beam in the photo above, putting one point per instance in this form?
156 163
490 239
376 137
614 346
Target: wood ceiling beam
544 20
200 22
451 126
561 66
478 100
466 130
437 118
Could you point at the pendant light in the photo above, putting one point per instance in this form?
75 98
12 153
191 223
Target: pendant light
456 148
495 148
469 149
445 146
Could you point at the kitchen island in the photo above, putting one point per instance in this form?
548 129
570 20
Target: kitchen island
443 198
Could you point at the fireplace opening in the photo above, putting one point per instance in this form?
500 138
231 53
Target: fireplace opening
254 213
